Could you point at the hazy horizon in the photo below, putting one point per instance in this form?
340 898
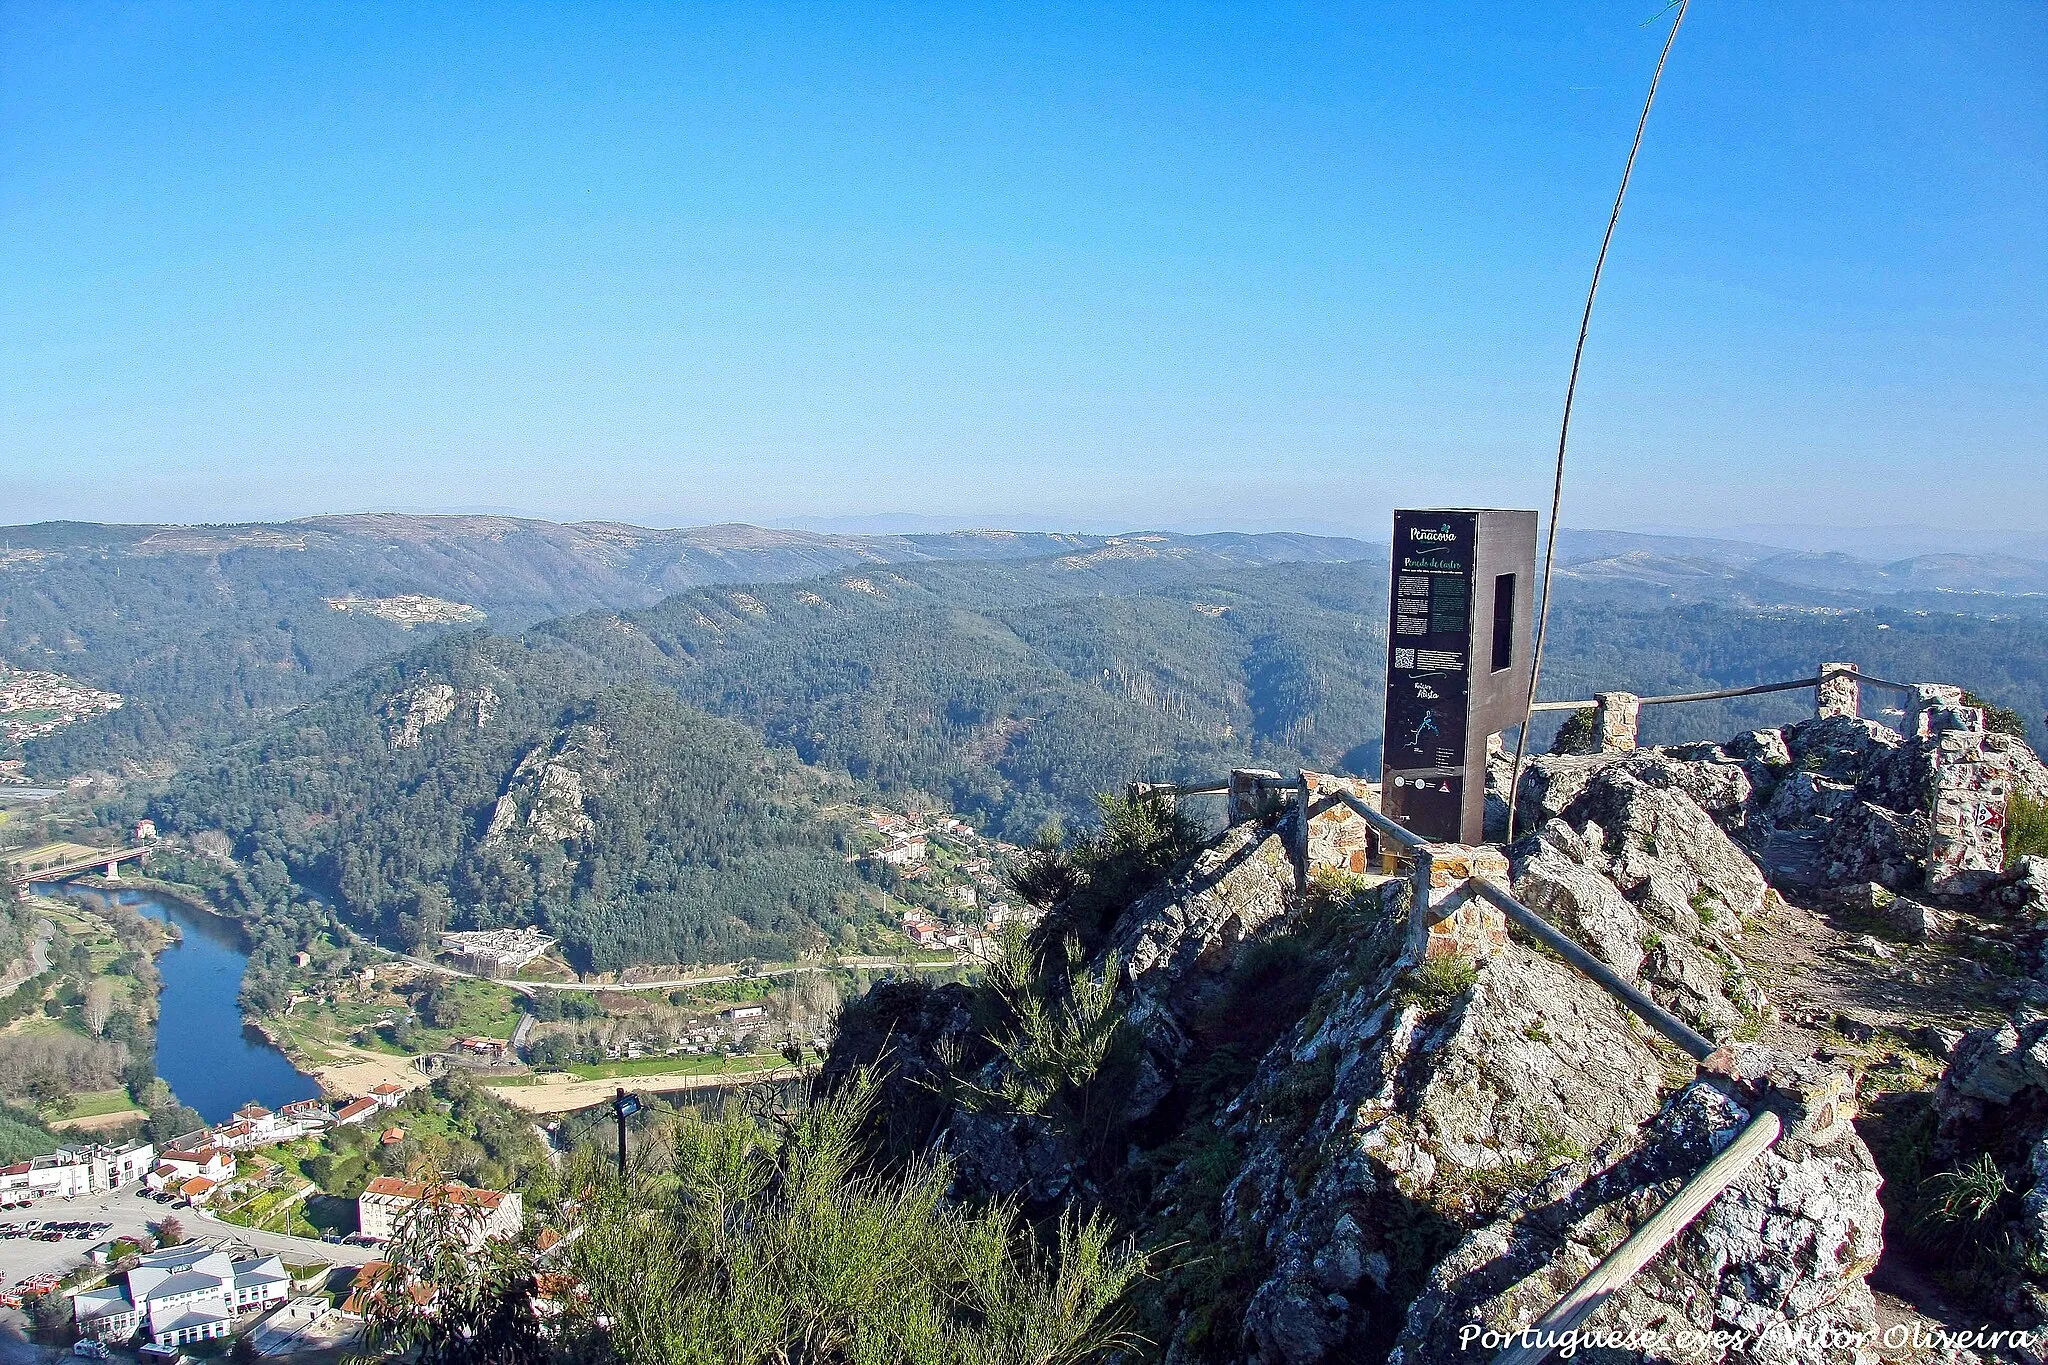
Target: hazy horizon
1876 543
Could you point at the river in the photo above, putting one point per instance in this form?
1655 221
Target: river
212 1059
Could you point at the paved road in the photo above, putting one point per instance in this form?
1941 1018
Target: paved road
846 964
132 1214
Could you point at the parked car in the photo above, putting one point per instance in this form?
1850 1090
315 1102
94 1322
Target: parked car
91 1350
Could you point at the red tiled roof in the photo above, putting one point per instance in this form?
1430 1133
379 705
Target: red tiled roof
391 1187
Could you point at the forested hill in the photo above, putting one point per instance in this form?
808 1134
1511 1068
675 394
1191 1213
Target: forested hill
1011 692
207 630
479 783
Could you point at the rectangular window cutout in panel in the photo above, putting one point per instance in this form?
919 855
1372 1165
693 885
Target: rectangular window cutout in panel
1503 621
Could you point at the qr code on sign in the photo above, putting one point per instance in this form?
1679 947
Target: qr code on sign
1404 658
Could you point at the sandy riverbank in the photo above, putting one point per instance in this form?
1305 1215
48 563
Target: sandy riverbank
556 1093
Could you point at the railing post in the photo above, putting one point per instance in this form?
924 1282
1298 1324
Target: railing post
1472 927
1614 720
1966 845
1838 693
1300 831
1338 837
1248 798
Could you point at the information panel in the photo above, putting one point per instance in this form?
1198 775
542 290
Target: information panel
1430 643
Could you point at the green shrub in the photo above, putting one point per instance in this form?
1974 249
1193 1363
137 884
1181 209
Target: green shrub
1579 734
762 1243
1087 882
1969 1195
1437 982
2026 828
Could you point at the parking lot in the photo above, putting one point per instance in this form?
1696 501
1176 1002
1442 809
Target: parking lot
133 1213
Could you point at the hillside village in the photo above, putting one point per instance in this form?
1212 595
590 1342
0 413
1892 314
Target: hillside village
33 704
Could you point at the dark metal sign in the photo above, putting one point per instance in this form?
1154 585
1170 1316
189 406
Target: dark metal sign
1457 661
1429 648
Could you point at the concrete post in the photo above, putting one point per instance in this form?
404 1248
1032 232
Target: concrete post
1614 721
1474 928
1337 838
1925 709
1966 845
1247 799
1839 694
114 870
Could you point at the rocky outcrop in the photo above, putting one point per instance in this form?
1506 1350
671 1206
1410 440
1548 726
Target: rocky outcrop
1178 943
1776 1262
543 801
412 711
1408 1152
1436 1113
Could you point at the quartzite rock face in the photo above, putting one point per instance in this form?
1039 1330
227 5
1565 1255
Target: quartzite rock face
1778 1259
1430 1116
1178 942
1420 1151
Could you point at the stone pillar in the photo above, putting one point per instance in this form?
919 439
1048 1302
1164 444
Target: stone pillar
1839 694
1338 838
114 870
1474 929
1614 721
1966 845
1932 707
1247 800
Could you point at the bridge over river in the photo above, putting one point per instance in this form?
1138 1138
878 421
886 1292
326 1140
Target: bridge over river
62 861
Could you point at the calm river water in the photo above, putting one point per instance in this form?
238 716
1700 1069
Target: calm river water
213 1062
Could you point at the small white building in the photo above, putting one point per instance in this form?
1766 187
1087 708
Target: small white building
354 1112
904 851
182 1295
180 1166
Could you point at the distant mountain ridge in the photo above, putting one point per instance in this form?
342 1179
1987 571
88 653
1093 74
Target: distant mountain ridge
206 629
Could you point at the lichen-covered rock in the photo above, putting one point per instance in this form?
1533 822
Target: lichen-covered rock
1869 842
1432 1115
2023 896
1776 1262
1177 944
1556 882
1667 854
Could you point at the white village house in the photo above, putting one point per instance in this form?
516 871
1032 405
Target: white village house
182 1295
181 1165
489 1213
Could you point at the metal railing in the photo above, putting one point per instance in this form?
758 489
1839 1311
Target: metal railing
1658 1231
1723 693
1619 1266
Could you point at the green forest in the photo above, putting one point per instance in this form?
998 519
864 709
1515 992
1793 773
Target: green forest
710 737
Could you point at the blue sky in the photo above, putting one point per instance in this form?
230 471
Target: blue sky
1256 265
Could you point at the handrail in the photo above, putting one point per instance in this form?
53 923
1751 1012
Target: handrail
1379 822
1697 1044
1720 694
1175 789
1620 1266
